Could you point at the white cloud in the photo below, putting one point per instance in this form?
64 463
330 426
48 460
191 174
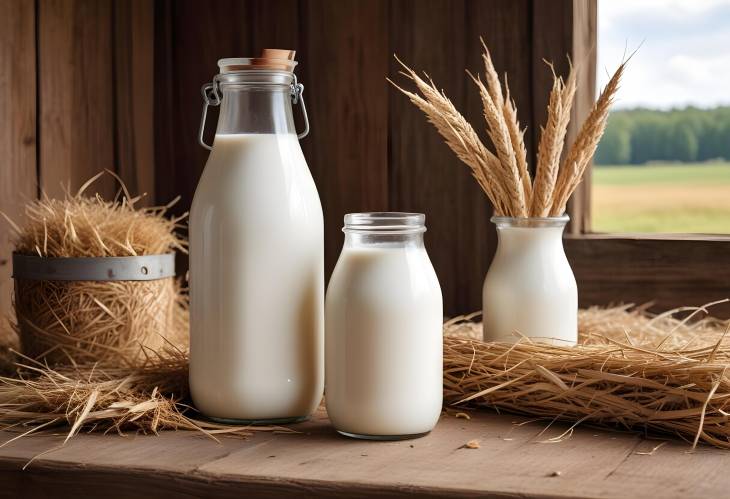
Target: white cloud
684 57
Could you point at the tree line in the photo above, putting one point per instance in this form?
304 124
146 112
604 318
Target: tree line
637 136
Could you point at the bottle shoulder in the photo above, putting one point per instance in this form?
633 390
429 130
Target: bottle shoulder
385 274
260 171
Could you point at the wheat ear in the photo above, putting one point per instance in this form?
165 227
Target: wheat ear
552 141
492 78
497 131
546 173
509 115
581 152
459 136
517 137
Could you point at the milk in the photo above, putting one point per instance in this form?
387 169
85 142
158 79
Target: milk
530 288
256 282
383 342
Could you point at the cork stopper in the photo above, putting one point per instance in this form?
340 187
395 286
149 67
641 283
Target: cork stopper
272 59
278 54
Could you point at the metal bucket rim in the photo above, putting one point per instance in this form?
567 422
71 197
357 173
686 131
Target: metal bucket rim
102 268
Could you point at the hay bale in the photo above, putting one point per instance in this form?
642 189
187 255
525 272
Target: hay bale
76 322
109 322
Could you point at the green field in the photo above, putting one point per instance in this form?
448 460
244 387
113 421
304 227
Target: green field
687 197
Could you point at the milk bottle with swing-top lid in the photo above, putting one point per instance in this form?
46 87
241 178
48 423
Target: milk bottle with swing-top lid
256 253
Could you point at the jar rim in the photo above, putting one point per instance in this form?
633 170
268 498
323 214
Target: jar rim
384 222
530 222
238 64
255 77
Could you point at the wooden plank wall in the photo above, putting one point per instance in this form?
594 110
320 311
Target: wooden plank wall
76 128
95 74
369 148
424 174
76 82
18 114
119 87
655 270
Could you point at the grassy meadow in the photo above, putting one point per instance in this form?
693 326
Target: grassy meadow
662 197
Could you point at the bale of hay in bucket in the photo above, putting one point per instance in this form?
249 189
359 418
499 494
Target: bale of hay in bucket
110 322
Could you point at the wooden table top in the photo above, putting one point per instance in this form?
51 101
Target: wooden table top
512 460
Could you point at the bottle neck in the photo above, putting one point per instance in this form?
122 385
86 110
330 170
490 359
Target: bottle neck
385 229
389 241
544 243
527 234
255 109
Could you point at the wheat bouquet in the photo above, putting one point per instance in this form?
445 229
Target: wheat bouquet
503 172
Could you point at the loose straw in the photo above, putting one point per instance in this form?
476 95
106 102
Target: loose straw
631 371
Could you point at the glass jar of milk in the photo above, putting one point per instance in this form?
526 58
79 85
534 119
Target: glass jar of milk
530 289
383 328
256 254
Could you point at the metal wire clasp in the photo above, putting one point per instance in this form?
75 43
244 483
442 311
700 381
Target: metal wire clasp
297 97
212 97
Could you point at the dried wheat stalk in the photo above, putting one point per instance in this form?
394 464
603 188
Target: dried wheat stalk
500 136
581 152
517 137
504 174
548 153
148 398
631 370
459 136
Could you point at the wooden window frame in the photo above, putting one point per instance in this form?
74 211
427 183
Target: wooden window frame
665 270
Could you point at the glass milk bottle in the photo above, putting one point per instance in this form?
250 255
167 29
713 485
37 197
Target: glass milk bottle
256 254
383 348
530 289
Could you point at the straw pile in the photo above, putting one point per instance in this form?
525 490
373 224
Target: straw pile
69 322
146 399
503 173
630 371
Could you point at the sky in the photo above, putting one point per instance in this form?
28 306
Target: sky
684 57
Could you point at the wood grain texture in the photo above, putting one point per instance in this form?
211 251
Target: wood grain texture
344 69
506 28
76 94
512 461
425 175
552 41
583 54
18 180
189 40
564 29
669 273
275 24
369 148
133 84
